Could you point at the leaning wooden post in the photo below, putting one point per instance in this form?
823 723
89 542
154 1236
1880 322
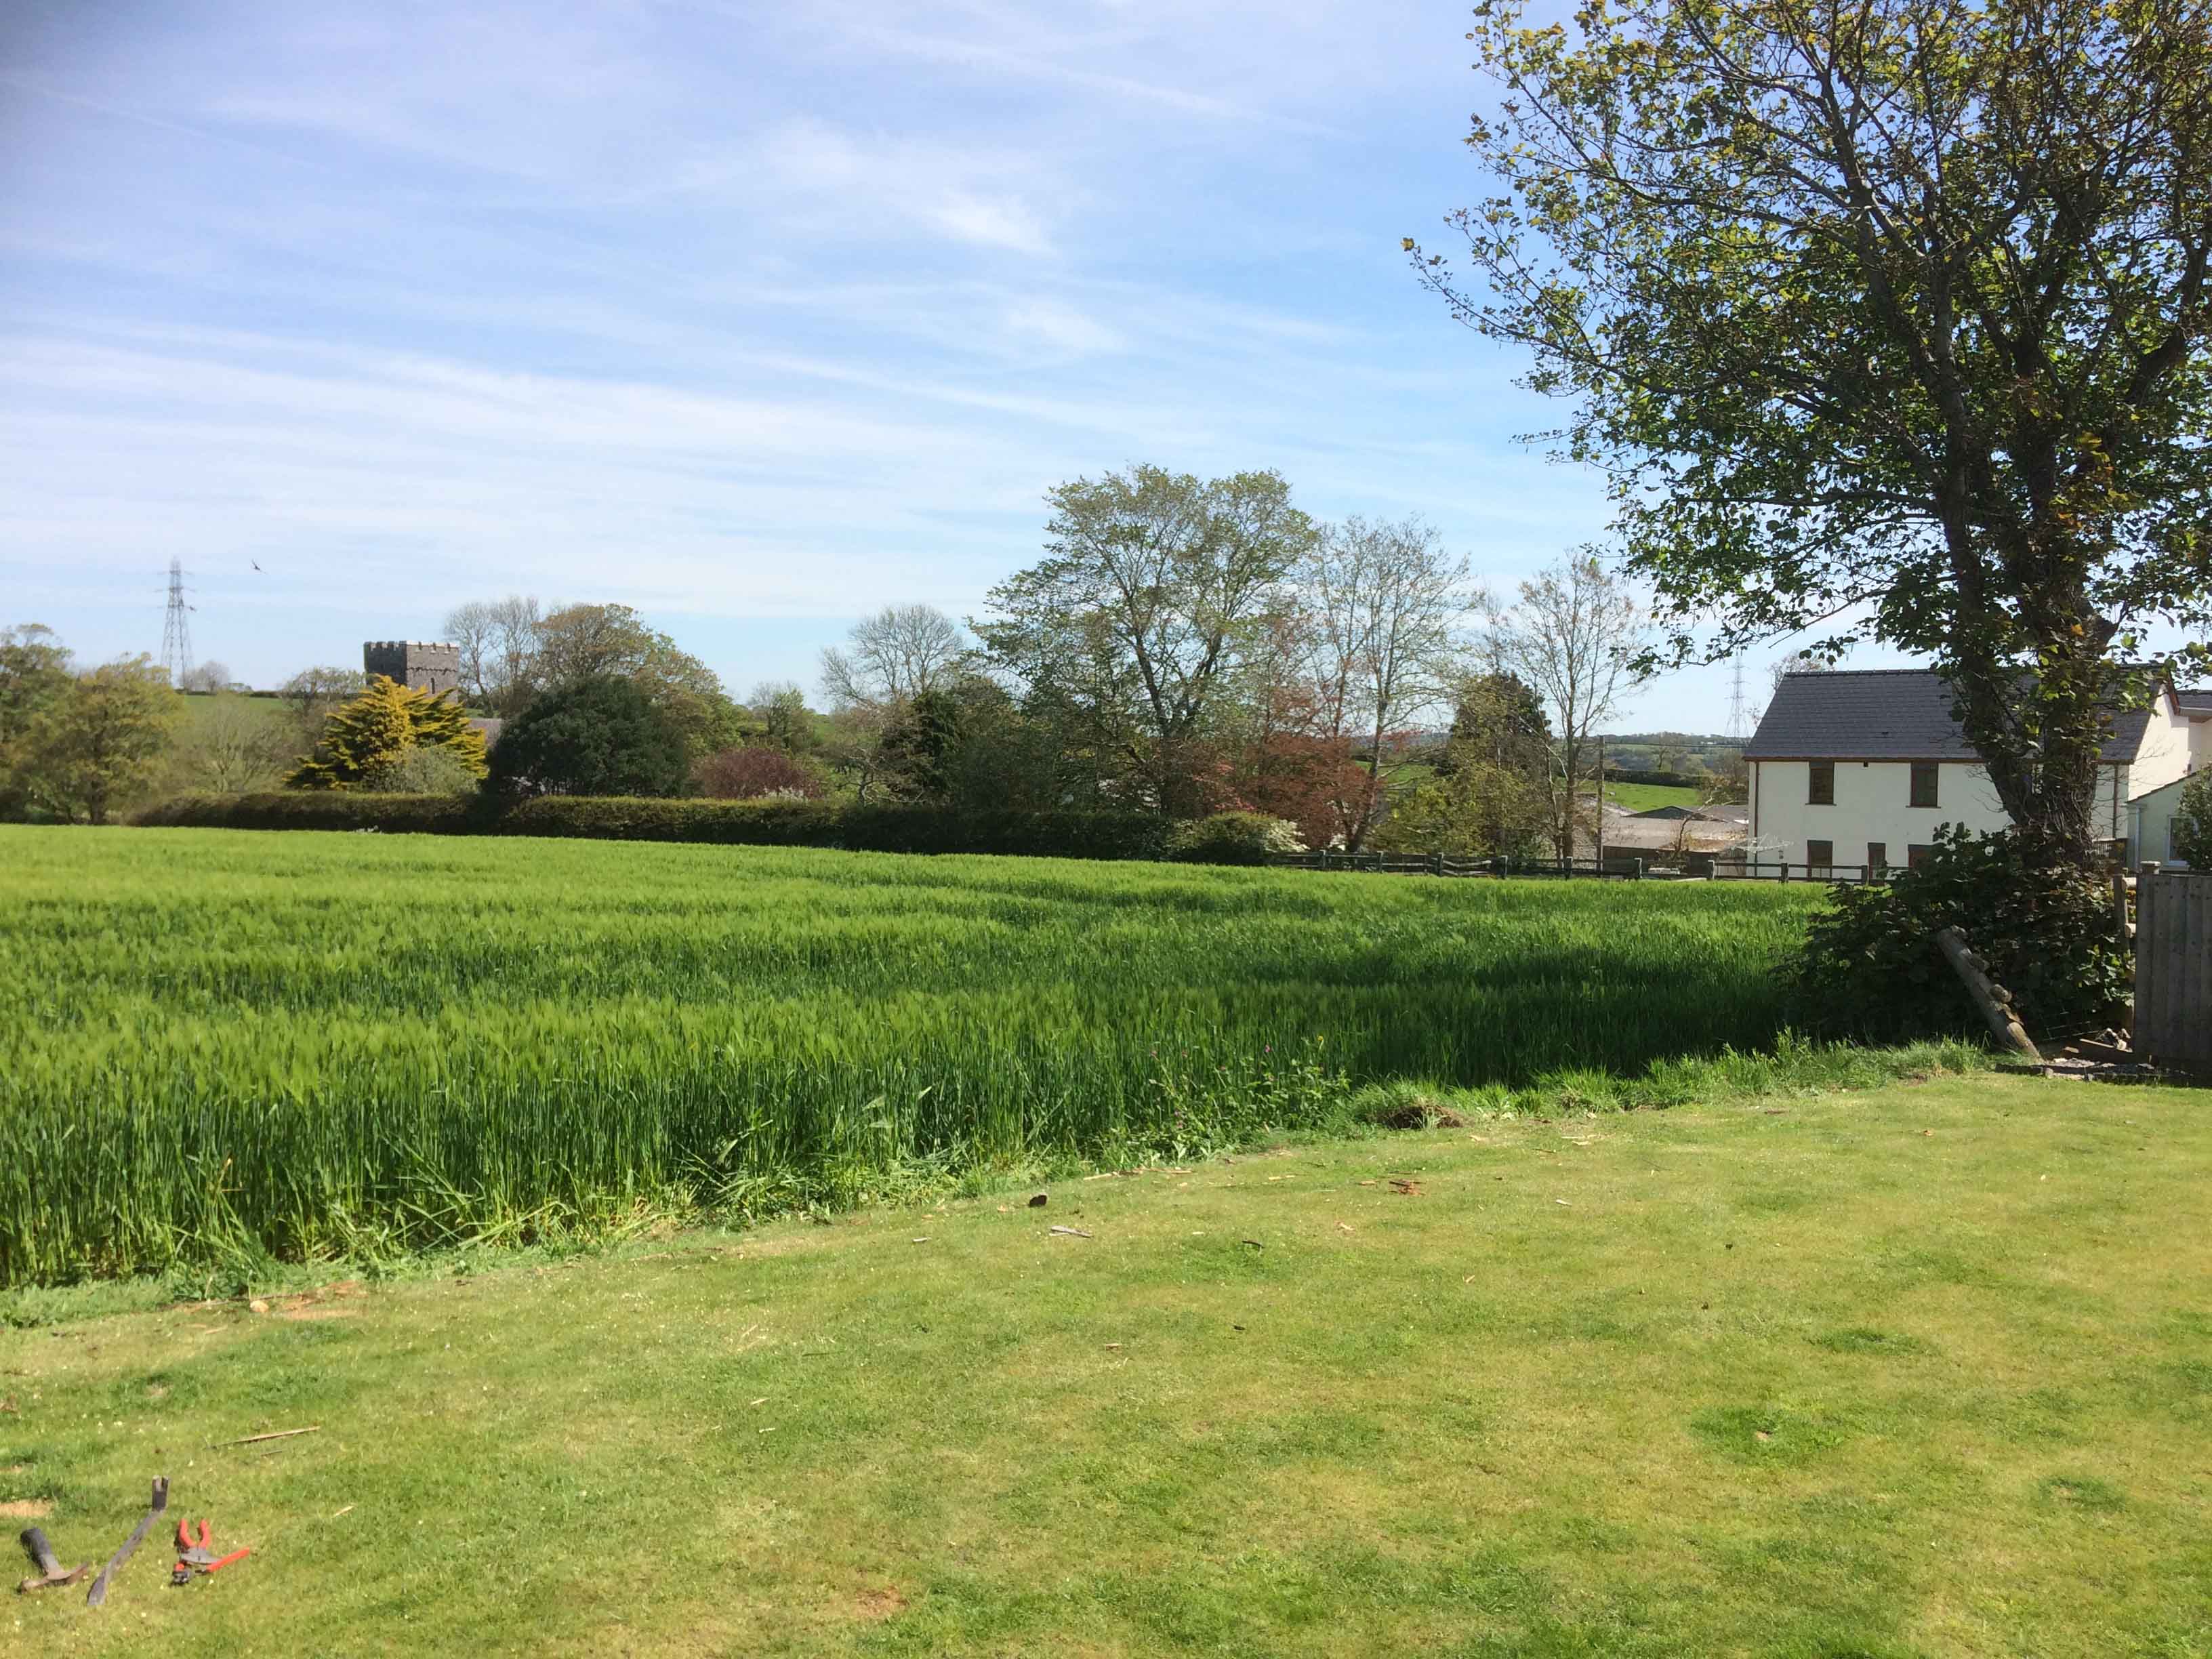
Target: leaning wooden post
1994 1000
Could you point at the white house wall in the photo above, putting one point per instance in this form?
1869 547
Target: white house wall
2163 756
2152 815
1871 798
1872 804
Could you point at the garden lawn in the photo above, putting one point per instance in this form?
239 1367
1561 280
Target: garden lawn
1922 1371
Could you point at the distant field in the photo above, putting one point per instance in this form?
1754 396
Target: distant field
1642 797
199 705
219 1042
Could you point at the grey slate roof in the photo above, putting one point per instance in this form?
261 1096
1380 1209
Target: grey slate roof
1887 713
2194 702
1723 814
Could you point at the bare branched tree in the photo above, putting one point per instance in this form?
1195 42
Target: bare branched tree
1387 604
311 693
238 745
1571 638
892 657
499 642
1797 663
471 627
209 676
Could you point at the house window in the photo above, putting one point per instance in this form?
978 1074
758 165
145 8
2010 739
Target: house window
1822 783
1820 855
1877 858
1915 855
1923 783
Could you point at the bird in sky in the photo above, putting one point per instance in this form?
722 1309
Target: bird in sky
257 566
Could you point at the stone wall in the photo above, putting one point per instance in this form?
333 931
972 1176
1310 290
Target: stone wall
432 668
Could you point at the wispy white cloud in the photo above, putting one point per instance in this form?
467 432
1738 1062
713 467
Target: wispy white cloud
755 316
817 175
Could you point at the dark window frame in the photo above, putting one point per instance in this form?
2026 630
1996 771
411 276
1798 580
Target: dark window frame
1819 783
1918 854
1824 858
1877 856
1932 774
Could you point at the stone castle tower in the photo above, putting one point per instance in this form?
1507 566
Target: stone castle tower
432 668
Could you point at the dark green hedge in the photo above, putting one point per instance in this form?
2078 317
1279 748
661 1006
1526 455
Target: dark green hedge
1665 780
762 823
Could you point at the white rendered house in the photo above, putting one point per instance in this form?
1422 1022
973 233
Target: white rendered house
2150 824
1854 768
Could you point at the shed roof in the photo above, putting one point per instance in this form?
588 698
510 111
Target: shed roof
1888 714
1720 814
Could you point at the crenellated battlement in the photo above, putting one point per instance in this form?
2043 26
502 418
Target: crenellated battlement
432 666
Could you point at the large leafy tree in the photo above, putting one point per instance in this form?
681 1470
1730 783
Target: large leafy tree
1497 717
379 728
34 676
581 642
102 741
1474 808
513 652
1153 586
598 736
1889 319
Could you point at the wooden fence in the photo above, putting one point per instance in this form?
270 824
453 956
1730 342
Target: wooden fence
1615 867
2173 967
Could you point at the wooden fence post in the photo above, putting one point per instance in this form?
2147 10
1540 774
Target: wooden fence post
1994 1000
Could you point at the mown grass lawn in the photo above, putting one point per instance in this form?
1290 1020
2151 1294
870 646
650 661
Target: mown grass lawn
1922 1371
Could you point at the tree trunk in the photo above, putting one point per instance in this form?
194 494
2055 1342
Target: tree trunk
2041 734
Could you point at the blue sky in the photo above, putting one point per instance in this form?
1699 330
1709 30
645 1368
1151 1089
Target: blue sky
756 317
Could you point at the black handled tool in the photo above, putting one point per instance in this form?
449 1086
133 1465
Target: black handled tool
98 1592
51 1575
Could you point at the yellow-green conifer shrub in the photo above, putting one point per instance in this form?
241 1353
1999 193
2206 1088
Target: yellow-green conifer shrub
379 726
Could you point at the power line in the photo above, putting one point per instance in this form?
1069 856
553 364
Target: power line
177 628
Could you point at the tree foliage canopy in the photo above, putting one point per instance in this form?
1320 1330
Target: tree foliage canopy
34 675
598 736
513 651
381 727
1889 319
86 749
1154 585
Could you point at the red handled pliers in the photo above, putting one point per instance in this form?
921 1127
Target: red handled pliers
199 1557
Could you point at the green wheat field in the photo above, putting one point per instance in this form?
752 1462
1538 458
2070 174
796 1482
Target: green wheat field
220 1044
